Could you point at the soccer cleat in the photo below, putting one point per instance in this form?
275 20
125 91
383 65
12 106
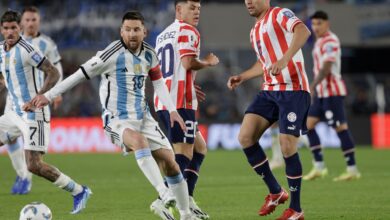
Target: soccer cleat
195 210
273 200
291 214
316 173
168 199
348 175
80 200
24 186
189 217
15 188
159 209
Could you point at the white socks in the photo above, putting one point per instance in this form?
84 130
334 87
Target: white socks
16 154
319 165
179 188
149 167
66 183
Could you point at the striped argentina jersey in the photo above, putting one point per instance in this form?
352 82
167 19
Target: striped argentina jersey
178 40
327 49
271 37
122 87
19 69
48 48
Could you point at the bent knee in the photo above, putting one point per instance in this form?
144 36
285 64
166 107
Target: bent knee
246 140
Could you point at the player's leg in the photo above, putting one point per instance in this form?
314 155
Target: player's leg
23 180
191 173
339 122
277 156
315 114
36 139
22 183
293 107
163 153
174 178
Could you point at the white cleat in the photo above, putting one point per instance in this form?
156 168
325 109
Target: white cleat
189 217
195 210
168 199
159 209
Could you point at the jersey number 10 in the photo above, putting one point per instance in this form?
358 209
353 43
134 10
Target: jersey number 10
165 55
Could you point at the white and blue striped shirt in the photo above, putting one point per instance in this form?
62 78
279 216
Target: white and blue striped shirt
122 88
19 69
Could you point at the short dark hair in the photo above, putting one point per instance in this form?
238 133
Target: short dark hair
30 9
133 15
181 1
320 15
10 16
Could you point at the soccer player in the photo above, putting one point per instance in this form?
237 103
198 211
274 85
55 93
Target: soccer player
178 48
19 61
277 38
328 105
30 24
124 67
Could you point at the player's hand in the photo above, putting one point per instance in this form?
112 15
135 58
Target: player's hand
28 107
200 95
57 102
175 117
234 82
211 59
40 101
312 92
276 68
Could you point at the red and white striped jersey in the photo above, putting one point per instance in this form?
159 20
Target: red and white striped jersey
270 38
178 40
327 48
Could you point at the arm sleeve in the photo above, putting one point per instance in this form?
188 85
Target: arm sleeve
34 56
188 41
287 20
65 85
160 88
163 94
329 51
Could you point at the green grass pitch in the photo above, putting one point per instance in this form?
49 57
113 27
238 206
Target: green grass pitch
227 189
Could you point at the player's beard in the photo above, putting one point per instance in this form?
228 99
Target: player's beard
134 45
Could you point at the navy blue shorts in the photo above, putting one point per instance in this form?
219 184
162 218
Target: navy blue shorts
175 134
289 108
330 110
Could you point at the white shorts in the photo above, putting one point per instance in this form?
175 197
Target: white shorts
35 133
148 127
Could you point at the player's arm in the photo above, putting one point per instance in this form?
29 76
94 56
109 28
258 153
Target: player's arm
255 71
324 72
191 62
2 81
301 33
52 76
163 94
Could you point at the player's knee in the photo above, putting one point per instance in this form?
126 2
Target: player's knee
245 140
288 145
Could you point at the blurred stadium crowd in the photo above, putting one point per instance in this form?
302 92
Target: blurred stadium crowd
89 25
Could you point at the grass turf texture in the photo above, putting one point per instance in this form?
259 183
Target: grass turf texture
228 188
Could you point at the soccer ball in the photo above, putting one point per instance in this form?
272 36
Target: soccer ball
35 211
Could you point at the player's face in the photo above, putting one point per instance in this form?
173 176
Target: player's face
10 32
256 7
319 26
189 12
133 33
30 23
